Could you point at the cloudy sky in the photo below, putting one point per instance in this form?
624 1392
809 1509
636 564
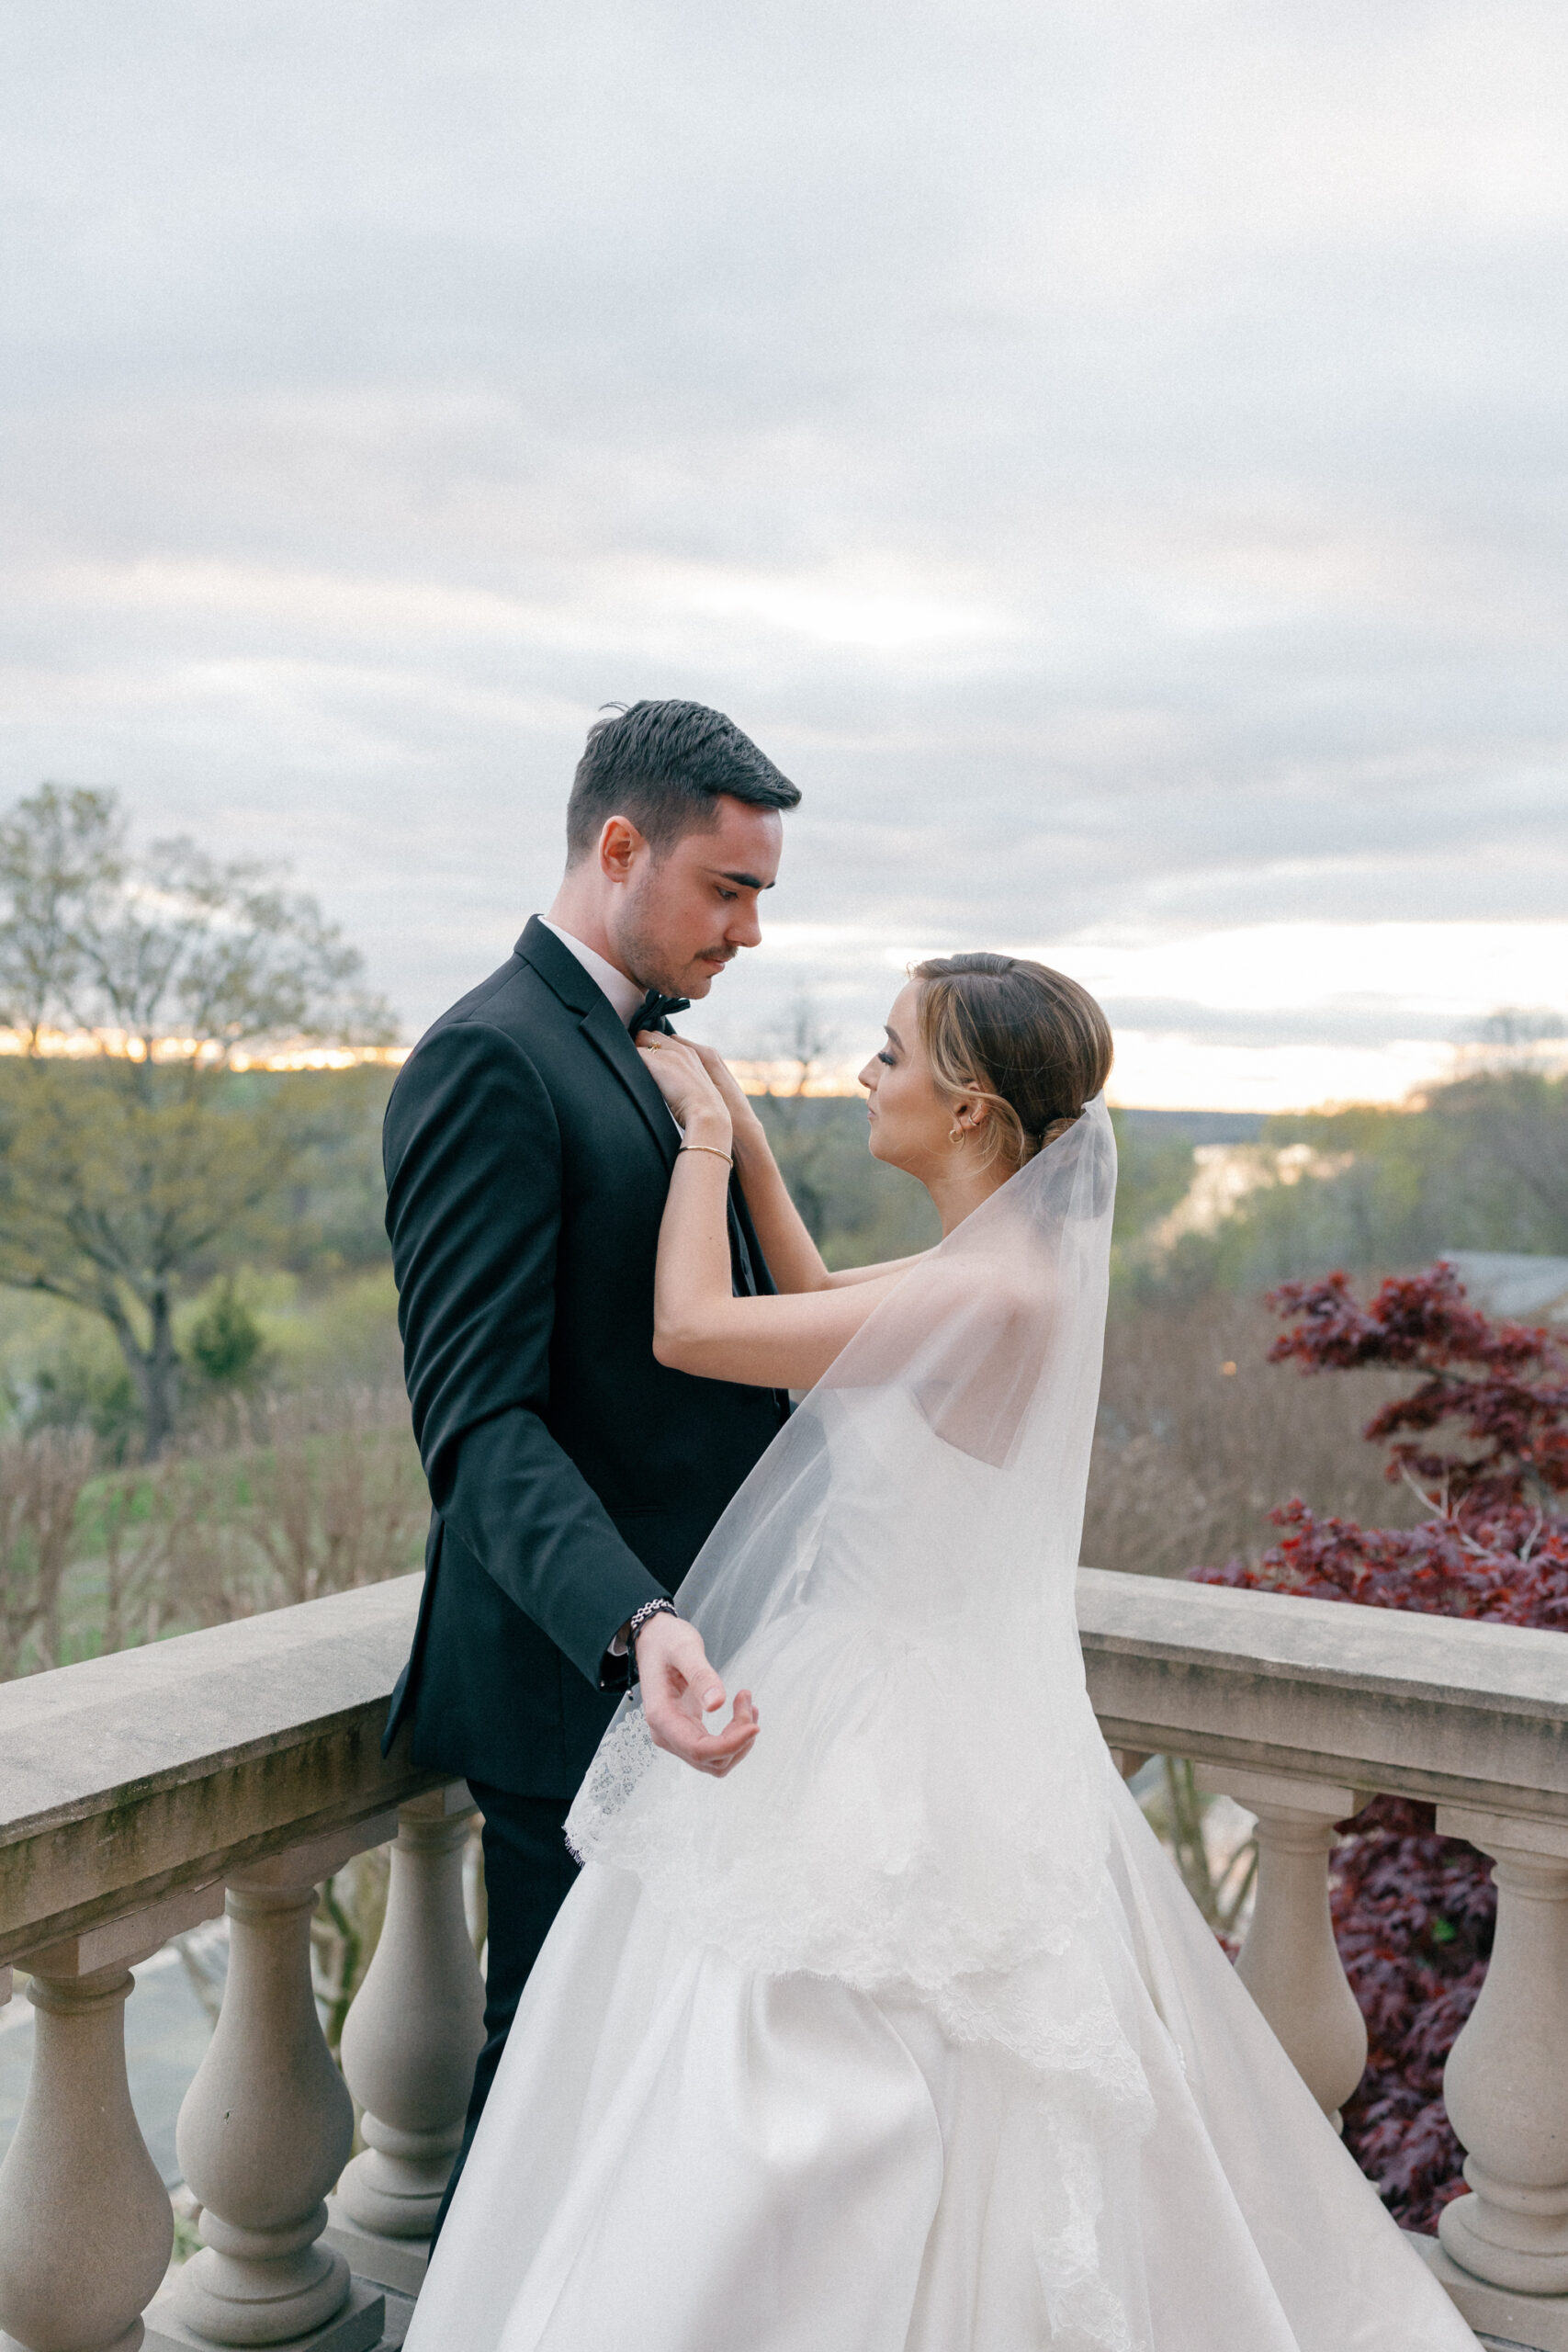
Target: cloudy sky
1111 453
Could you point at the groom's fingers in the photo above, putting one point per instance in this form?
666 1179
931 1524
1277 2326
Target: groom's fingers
670 1656
680 1730
705 1752
719 1751
679 1687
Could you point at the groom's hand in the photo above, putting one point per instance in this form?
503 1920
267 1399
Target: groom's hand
679 1687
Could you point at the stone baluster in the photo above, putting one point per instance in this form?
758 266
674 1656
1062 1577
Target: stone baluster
1507 2080
409 2048
1290 1963
86 2226
265 2129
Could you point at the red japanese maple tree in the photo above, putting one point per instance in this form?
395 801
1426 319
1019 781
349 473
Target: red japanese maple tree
1483 1439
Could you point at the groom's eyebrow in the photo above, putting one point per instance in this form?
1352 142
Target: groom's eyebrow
746 881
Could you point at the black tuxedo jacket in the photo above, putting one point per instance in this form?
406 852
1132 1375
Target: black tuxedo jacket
527 1154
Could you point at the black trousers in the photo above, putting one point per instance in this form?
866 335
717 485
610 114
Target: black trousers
529 1872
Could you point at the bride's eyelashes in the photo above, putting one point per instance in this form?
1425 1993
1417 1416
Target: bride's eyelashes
887 1057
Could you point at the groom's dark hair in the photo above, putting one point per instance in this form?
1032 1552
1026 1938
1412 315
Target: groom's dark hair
664 766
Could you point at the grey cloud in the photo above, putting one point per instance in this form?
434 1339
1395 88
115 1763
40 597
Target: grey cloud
1114 458
1371 1021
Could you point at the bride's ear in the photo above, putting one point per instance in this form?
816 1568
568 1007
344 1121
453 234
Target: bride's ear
968 1120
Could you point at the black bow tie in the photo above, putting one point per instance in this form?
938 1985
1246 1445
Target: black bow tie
654 1010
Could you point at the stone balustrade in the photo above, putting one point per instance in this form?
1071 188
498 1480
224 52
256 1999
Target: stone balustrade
1301 1710
237 1768
231 1770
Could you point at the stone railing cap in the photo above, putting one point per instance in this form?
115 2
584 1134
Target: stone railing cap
1513 1669
115 1728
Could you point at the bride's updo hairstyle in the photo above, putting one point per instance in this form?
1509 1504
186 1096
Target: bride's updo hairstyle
1032 1046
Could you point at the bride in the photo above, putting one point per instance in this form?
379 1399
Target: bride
894 2031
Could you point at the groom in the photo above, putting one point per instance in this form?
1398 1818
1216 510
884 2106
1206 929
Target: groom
574 1478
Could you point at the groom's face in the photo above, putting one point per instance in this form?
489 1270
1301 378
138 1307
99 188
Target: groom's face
678 919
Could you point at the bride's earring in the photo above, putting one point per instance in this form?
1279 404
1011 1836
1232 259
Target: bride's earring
956 1134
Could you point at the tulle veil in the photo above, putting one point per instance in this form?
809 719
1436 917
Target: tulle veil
926 1806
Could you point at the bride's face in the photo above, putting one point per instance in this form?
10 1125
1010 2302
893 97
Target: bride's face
910 1124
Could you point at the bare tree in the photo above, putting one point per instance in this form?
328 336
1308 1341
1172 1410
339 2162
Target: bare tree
41 1478
326 1493
1198 1437
797 1135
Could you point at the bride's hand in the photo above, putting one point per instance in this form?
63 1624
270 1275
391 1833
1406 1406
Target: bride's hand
747 1139
679 1071
737 1102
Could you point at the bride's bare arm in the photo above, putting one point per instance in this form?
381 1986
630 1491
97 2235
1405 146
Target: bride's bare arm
699 1326
794 1260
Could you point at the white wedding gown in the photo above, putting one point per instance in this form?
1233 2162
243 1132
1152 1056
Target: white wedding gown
907 2037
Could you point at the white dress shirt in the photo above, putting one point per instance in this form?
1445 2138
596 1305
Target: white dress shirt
625 995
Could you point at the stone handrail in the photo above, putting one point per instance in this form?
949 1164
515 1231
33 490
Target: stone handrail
133 1778
139 1791
1438 1708
143 1792
1301 1710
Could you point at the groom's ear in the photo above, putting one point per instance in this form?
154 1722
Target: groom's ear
620 847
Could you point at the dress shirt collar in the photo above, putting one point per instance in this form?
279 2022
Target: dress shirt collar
625 995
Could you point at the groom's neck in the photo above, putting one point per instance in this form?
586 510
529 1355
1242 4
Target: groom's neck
577 909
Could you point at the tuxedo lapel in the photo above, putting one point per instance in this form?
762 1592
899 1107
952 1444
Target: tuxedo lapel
607 1033
603 1027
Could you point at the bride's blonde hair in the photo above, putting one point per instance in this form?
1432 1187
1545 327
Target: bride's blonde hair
1032 1043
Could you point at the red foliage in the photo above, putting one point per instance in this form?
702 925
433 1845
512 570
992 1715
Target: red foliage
1505 1386
1413 1911
1413 1916
1437 1568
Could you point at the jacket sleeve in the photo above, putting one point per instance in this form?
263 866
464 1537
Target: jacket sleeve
472 1155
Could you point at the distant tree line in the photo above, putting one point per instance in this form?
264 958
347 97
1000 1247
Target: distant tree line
1480 1163
137 1177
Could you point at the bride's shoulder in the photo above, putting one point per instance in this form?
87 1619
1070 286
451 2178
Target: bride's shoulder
1004 1283
976 1319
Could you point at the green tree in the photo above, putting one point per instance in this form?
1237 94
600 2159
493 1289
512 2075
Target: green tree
226 1340
1477 1162
131 1160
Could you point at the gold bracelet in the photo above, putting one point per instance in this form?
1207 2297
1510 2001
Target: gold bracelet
727 1157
